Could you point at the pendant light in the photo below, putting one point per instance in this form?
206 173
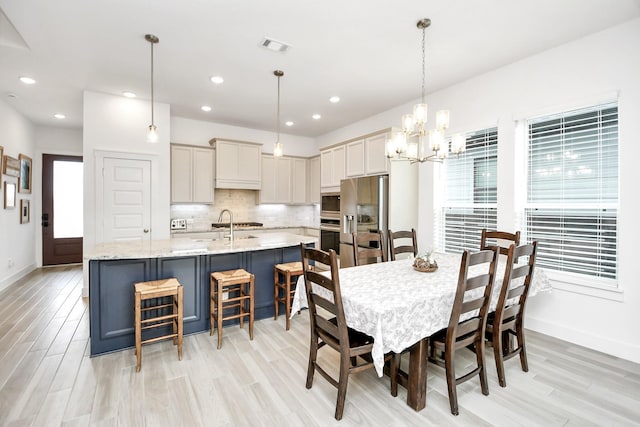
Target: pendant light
152 133
277 148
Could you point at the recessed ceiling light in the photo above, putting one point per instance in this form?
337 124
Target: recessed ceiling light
289 123
129 94
27 80
59 116
205 108
316 116
334 99
216 80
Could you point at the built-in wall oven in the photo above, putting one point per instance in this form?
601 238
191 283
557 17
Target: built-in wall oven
330 222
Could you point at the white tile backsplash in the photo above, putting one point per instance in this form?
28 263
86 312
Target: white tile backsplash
243 205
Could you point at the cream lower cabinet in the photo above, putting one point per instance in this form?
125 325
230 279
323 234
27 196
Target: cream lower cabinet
283 180
238 165
191 174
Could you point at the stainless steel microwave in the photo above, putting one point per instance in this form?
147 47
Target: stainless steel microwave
330 205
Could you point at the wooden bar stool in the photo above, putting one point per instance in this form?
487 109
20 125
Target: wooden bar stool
158 312
285 277
229 291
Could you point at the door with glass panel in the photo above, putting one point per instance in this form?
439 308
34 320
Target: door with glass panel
62 212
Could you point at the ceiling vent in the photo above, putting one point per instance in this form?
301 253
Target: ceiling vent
274 45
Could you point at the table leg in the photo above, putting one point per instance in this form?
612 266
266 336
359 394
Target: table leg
417 386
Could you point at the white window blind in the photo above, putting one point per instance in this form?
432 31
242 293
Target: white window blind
470 192
572 190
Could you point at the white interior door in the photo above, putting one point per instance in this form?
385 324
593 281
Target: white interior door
126 199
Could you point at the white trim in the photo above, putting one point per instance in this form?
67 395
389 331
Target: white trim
9 280
585 285
576 104
603 343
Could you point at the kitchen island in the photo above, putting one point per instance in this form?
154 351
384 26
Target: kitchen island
115 266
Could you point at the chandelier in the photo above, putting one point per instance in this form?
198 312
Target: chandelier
411 143
277 148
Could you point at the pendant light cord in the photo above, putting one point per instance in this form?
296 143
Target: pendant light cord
423 62
152 100
278 114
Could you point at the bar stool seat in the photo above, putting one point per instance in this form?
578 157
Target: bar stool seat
231 289
152 310
285 277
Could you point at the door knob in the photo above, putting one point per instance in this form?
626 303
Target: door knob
146 230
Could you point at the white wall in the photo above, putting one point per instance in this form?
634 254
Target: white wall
118 124
50 140
196 132
577 74
16 240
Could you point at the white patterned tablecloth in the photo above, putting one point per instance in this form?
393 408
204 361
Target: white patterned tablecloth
399 306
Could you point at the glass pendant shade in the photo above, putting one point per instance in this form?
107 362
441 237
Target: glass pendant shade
407 123
277 150
442 119
420 114
436 138
152 134
458 143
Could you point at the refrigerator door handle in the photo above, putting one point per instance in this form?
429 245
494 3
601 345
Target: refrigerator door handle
348 224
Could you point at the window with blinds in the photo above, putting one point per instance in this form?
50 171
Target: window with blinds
470 192
572 190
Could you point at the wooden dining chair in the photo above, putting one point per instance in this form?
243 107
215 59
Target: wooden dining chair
329 327
498 238
507 320
401 239
472 298
368 248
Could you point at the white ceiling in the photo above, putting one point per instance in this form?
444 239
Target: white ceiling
365 51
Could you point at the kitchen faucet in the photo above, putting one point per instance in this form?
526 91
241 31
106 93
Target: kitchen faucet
230 222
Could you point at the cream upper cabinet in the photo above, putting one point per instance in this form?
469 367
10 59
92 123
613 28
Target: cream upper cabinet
276 180
298 181
191 174
238 165
355 158
375 155
332 168
313 180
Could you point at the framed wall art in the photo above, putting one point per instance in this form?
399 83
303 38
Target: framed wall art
9 195
25 211
24 180
10 166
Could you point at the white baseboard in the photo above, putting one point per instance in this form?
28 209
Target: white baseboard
623 350
17 276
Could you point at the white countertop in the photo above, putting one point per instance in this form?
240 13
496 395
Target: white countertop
186 246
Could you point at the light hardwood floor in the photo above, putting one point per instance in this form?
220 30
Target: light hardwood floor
47 377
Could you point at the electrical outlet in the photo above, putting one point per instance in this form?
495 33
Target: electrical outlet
178 224
10 263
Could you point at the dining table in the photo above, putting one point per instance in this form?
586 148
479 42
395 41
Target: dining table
401 308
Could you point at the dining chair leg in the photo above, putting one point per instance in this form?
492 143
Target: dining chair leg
343 381
484 384
450 373
313 353
498 354
523 349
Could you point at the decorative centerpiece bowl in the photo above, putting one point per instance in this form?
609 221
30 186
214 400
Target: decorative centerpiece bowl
425 263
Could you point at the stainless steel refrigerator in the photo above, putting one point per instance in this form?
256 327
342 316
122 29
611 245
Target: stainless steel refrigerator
363 207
